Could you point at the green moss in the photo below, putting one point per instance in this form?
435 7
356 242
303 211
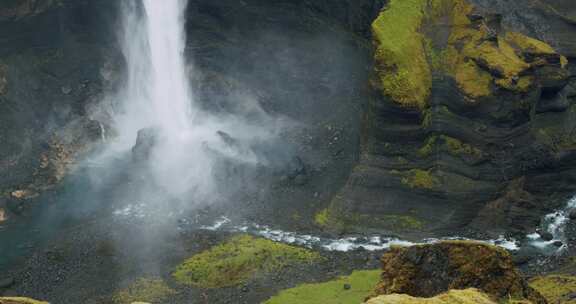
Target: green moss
428 147
528 44
556 288
456 147
238 260
472 80
405 57
361 284
418 178
466 296
322 217
402 222
402 68
152 290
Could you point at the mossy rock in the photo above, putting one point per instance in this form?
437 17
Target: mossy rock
339 220
467 296
17 300
429 270
556 288
402 69
238 260
351 289
322 218
420 179
153 290
478 56
453 145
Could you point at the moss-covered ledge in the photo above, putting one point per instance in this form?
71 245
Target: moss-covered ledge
477 55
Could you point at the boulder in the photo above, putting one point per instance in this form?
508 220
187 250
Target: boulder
145 142
468 296
430 270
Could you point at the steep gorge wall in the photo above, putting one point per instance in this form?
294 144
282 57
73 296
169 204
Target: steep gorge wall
471 128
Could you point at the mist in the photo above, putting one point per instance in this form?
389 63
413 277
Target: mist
178 148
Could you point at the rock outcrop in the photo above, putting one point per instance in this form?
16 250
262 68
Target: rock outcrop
464 110
468 296
430 270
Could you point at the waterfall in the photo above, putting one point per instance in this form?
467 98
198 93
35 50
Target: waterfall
156 97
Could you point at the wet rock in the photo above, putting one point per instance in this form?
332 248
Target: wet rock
7 282
94 130
430 270
546 236
558 243
227 139
552 79
66 90
347 286
572 214
145 142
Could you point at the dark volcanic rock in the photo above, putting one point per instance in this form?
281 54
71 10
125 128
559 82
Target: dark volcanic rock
429 270
145 142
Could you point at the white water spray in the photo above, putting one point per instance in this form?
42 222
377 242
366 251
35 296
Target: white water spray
157 96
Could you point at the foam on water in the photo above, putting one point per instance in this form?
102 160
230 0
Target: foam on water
345 244
554 224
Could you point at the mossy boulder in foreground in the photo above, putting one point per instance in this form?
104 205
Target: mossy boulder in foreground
556 288
16 300
239 259
430 270
153 290
468 296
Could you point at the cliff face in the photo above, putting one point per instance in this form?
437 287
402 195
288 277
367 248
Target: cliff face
471 125
50 58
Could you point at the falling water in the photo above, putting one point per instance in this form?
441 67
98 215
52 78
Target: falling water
157 96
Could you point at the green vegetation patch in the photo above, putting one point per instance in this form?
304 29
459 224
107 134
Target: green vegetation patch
402 69
466 296
238 260
322 218
402 222
19 300
418 178
351 289
556 288
153 290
